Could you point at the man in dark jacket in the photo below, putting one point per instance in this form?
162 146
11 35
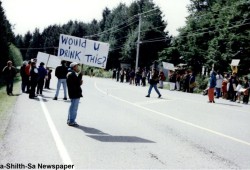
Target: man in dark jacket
33 80
61 73
42 73
74 82
153 83
9 72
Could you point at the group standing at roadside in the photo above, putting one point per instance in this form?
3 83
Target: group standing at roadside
229 87
35 79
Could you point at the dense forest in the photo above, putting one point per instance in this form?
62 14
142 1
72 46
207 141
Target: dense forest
216 32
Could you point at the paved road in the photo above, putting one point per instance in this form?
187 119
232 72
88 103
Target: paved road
121 128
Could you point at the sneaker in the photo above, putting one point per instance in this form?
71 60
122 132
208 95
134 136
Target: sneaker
55 98
147 96
159 96
73 124
65 98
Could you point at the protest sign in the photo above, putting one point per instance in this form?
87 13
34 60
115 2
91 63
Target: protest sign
168 66
49 60
84 51
235 62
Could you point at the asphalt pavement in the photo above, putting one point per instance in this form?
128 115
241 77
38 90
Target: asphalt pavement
122 129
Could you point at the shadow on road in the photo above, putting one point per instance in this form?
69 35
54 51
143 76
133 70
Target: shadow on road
228 104
104 137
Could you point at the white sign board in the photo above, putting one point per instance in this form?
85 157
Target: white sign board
84 51
168 66
235 62
49 60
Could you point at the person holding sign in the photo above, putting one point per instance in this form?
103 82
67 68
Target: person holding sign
74 82
61 73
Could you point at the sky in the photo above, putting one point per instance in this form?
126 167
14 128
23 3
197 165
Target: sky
26 15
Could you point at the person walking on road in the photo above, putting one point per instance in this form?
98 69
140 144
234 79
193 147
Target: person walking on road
9 73
153 83
74 82
61 73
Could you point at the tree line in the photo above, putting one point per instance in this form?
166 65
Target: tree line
216 32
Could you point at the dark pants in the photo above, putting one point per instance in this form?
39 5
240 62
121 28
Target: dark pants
28 86
32 89
25 81
40 86
218 92
47 83
9 86
143 81
246 99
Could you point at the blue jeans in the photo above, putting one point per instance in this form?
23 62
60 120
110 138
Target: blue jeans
59 82
218 92
155 87
73 110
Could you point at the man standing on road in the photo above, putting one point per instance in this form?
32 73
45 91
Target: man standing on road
61 73
9 72
33 80
74 82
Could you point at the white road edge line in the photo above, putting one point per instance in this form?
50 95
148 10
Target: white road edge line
59 144
176 119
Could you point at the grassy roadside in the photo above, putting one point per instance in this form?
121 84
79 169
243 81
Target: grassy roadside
7 104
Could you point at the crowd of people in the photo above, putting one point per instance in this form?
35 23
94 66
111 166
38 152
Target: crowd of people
177 81
35 79
230 87
140 77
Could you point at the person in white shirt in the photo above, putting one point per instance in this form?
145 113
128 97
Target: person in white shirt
219 79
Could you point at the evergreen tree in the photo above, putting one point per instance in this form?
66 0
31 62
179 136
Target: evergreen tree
4 43
26 42
35 44
216 32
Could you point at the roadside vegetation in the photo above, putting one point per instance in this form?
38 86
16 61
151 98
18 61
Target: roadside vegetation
7 104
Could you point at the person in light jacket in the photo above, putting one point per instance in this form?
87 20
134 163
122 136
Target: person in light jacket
219 80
